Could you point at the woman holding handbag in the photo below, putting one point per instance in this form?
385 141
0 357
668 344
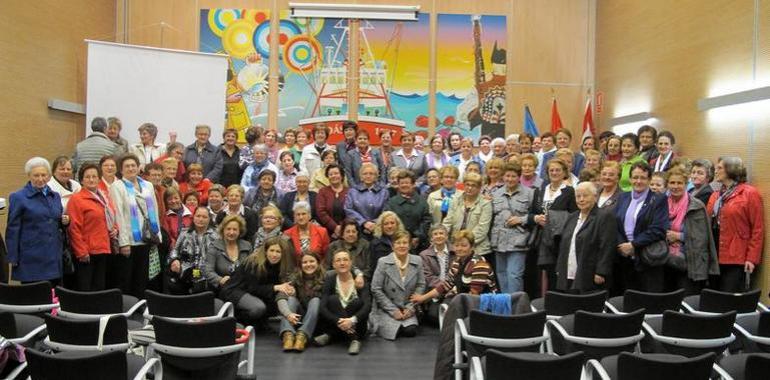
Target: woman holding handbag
137 214
93 230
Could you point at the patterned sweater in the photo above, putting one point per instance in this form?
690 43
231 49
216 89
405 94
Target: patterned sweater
471 274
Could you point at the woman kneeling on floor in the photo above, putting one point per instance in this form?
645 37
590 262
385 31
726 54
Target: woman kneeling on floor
398 276
344 307
254 284
307 282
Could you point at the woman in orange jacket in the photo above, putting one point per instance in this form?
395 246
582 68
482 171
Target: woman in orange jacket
306 236
92 231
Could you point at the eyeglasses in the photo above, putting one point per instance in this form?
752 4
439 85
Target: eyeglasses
269 217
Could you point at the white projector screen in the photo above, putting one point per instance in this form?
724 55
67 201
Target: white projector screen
173 89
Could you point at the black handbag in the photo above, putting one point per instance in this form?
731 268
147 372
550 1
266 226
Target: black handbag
68 261
147 235
655 254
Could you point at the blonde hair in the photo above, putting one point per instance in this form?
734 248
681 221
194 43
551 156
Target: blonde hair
387 214
529 156
464 234
229 219
237 188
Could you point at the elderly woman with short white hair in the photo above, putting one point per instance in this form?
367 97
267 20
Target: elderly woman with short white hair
306 236
588 244
301 194
261 163
33 234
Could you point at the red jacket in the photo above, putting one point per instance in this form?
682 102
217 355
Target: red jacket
170 223
324 204
741 229
88 231
319 241
202 188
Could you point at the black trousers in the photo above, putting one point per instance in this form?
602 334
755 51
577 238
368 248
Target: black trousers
92 276
646 279
334 305
732 278
131 272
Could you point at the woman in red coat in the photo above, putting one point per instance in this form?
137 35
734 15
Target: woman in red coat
92 228
306 236
177 217
195 181
330 202
736 213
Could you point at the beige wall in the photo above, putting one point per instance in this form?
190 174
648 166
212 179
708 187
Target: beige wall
42 56
662 56
550 49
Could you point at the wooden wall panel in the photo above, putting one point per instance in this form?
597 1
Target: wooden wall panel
662 57
43 56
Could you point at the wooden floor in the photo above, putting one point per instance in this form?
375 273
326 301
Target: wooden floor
405 358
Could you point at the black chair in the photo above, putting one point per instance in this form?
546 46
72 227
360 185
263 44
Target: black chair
691 335
628 366
21 328
88 365
715 302
754 331
201 306
205 349
84 335
519 332
745 366
652 303
596 334
33 298
94 305
528 366
560 304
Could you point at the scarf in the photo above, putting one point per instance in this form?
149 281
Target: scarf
446 199
151 215
109 215
636 204
661 164
723 196
432 163
366 156
258 167
676 212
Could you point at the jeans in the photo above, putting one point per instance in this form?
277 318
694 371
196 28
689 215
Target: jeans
309 318
510 270
252 308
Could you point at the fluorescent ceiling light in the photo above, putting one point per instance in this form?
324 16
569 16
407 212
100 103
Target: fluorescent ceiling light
632 118
748 96
355 11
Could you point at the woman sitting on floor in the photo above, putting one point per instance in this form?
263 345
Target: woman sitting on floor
299 313
254 284
344 307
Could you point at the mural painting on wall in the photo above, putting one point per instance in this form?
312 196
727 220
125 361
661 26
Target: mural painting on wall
237 32
394 72
471 75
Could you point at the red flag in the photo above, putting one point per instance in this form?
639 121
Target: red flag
588 122
555 118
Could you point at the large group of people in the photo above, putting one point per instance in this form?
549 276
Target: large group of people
345 240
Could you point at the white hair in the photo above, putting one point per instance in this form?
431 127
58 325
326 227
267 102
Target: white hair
302 173
498 140
512 136
301 205
36 162
589 186
260 148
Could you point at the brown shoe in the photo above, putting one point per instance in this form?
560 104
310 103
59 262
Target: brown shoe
288 341
300 341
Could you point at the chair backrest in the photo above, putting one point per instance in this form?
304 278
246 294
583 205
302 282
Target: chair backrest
721 302
692 326
533 366
36 293
653 303
8 325
604 325
565 304
81 365
198 334
645 367
506 326
102 302
86 332
763 327
185 306
757 366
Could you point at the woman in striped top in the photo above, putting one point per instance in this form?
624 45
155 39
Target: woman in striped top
468 272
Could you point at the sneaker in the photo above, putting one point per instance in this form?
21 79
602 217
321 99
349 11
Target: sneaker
355 347
322 340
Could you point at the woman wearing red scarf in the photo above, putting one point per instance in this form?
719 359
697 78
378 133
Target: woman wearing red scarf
692 255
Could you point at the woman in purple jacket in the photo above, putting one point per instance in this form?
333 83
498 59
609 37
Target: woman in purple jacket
365 202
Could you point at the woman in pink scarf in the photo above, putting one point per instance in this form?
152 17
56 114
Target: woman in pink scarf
691 250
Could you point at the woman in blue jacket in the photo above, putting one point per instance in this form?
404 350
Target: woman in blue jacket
33 234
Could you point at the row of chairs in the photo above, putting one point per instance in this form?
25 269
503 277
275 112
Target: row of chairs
653 323
195 332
